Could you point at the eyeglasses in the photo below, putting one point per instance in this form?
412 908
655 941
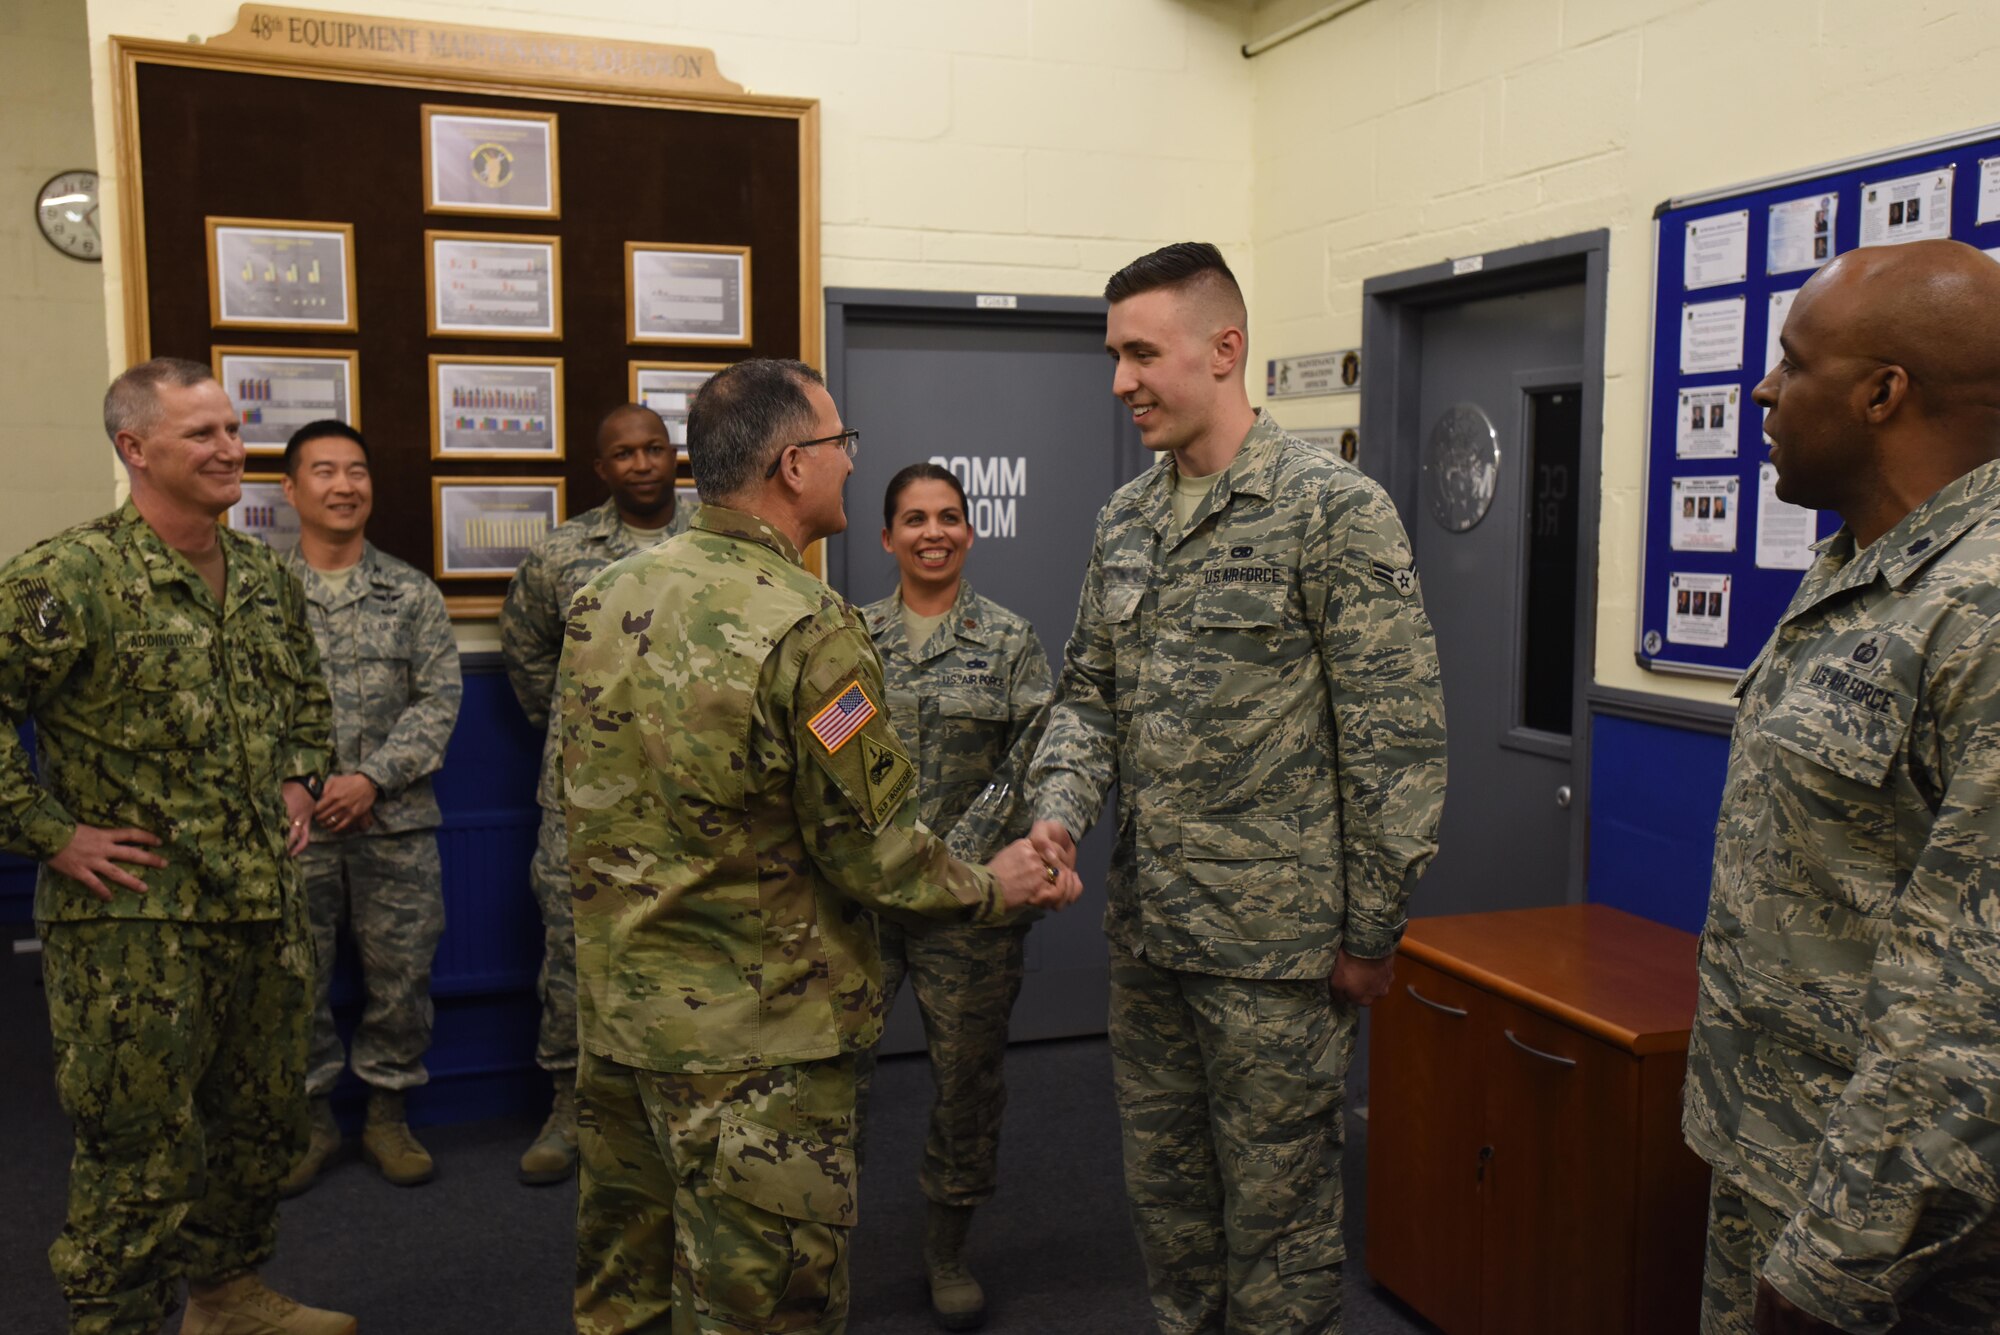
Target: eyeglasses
850 440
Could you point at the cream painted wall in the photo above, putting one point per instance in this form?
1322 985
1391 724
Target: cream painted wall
1035 145
58 466
966 145
988 145
1409 131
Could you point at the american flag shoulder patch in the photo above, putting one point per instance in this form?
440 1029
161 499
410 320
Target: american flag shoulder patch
843 716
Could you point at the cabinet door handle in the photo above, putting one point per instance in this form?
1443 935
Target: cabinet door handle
1537 1052
1434 1005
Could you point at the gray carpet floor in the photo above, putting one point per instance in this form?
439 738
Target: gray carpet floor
474 1253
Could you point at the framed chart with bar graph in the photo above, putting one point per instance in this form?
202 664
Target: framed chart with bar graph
263 512
496 407
486 526
279 390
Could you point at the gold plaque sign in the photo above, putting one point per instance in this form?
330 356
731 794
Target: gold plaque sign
387 43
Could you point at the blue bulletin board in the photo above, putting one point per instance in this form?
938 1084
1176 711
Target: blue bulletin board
1722 556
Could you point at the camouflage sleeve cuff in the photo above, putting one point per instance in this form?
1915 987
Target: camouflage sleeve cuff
385 782
1816 1282
992 909
1051 805
43 830
306 760
1371 941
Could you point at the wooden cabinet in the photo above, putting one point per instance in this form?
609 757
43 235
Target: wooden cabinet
1526 1174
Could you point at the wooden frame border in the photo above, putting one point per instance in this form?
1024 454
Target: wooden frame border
554 243
633 249
438 359
438 484
554 210
125 180
128 53
352 356
345 231
634 369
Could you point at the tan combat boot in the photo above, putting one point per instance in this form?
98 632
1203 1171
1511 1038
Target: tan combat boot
242 1305
957 1302
387 1143
325 1143
552 1158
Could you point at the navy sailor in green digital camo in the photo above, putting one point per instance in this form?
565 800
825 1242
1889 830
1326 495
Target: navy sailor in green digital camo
183 727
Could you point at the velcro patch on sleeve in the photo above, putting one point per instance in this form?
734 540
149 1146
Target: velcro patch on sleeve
1402 581
842 717
888 776
40 606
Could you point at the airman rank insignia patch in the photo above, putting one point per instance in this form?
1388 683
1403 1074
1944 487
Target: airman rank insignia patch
843 716
887 775
1402 581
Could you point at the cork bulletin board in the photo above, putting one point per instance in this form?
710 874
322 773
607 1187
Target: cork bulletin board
308 127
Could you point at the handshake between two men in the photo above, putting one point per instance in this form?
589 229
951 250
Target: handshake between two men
1038 872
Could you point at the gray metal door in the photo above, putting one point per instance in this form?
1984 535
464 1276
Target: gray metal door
1018 404
1495 528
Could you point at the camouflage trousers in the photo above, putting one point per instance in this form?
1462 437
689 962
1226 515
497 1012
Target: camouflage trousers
389 890
1230 1096
966 980
714 1204
180 1059
1961 1296
548 874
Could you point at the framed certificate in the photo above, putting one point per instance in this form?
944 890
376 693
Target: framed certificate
687 294
266 274
263 512
496 407
494 285
481 160
279 390
668 388
485 526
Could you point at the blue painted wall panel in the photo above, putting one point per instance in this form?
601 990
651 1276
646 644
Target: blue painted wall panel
1655 792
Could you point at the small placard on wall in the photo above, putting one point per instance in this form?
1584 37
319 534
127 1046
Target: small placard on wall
1312 374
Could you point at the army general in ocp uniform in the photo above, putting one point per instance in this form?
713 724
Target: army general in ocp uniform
1844 1071
182 725
1252 666
739 809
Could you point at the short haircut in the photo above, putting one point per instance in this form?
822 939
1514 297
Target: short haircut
745 414
319 430
1188 266
923 472
133 401
625 410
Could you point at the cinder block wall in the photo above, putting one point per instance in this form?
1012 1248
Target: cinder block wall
1410 131
57 464
990 145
